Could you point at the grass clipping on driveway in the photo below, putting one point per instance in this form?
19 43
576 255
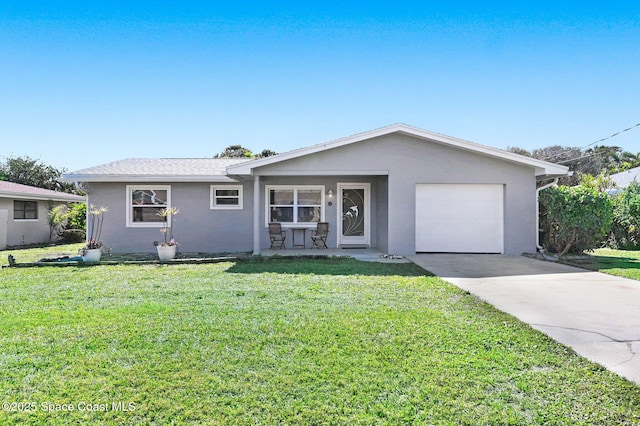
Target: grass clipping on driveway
292 342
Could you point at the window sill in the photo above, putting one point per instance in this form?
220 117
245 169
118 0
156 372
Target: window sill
146 225
287 225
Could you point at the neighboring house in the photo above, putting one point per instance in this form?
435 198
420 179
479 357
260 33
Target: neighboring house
399 189
623 179
24 213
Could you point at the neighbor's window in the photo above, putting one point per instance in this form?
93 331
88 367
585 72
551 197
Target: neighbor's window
227 197
25 209
144 202
295 204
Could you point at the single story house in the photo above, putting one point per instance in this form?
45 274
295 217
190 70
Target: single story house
399 189
24 213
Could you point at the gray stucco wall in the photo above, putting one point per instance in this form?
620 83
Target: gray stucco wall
197 228
21 232
410 161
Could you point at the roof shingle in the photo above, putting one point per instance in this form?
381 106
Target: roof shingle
11 189
157 168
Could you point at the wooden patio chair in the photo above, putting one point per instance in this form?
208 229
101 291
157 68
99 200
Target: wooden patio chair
276 235
319 236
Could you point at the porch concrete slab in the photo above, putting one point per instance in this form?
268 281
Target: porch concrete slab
596 314
364 254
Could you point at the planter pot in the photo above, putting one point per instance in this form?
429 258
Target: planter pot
91 255
166 252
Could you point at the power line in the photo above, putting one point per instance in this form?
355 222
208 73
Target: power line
613 135
592 143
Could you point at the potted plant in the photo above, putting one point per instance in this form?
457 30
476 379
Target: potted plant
167 248
92 251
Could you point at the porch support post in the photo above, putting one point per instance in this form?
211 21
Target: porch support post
256 215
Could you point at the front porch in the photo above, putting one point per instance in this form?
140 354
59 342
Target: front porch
354 206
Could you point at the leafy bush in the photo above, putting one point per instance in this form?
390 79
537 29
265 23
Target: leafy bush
68 222
625 232
575 219
77 218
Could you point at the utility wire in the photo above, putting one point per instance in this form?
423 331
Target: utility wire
593 143
613 135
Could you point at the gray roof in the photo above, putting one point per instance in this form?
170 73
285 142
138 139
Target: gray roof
17 190
157 169
623 179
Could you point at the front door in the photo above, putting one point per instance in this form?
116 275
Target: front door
354 216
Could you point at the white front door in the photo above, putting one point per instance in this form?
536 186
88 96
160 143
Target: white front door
354 216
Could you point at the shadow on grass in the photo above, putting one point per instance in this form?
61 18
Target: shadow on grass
326 266
596 262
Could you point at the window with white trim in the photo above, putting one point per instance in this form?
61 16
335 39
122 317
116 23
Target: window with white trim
25 210
300 204
144 202
226 197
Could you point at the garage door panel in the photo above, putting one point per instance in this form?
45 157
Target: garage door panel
459 218
470 229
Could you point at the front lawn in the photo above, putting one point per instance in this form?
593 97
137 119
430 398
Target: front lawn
36 254
332 341
623 263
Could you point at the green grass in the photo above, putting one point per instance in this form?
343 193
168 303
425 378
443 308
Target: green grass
332 341
35 254
623 263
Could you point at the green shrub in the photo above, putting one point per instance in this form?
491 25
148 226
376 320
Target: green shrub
78 216
575 219
68 222
625 231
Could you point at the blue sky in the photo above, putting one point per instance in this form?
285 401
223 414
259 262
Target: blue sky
84 83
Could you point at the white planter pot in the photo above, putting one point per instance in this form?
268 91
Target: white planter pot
91 255
166 252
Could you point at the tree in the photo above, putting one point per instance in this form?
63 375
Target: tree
601 183
591 161
557 154
520 151
27 171
266 153
238 151
234 151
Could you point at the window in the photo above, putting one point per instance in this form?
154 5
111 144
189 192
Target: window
295 204
25 210
144 203
227 197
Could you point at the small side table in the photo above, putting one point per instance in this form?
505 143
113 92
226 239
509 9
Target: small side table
298 230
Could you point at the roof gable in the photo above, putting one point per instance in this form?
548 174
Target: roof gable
542 168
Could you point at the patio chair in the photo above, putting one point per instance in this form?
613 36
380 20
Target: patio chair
319 236
276 235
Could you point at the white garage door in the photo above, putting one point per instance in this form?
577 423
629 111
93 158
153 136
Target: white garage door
459 218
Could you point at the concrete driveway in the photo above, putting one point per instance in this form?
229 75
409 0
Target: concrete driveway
598 315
